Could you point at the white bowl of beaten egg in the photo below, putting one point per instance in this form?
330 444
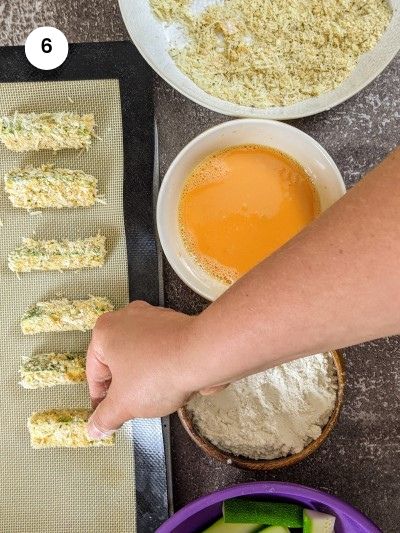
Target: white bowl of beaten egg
238 192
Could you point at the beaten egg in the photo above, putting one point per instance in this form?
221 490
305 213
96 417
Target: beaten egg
240 205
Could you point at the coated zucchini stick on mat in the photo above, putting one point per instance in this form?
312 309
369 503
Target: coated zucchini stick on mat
49 369
46 131
47 186
58 255
64 315
63 428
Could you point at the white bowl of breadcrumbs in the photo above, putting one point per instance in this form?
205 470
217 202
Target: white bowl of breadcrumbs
265 58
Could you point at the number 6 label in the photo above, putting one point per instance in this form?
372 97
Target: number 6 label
46 48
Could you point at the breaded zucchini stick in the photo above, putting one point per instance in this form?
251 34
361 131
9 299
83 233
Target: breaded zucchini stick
46 131
47 186
58 255
64 315
49 369
65 428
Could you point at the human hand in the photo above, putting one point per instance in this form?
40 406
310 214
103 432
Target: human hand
135 366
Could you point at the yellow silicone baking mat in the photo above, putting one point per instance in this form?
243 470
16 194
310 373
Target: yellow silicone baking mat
61 490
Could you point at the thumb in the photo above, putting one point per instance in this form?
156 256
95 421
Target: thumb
106 419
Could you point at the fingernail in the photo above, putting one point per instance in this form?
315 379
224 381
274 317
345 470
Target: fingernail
95 433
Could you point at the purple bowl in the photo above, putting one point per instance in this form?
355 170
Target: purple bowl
204 511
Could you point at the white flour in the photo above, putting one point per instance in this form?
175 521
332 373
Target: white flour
175 32
271 414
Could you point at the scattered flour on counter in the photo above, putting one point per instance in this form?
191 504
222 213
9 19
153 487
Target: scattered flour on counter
271 414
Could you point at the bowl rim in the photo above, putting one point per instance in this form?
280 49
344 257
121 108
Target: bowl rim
271 464
173 260
281 489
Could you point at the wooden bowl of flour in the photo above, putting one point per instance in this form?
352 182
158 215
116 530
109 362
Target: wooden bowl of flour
270 464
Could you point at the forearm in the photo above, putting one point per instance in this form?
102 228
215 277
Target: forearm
335 284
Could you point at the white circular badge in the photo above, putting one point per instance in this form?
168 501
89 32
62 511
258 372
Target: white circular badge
46 48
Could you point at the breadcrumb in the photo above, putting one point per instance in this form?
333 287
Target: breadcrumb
265 53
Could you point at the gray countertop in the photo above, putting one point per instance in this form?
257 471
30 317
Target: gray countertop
361 460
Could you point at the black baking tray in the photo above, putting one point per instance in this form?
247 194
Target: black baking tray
121 60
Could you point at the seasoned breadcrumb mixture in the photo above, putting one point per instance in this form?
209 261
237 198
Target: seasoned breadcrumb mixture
272 52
